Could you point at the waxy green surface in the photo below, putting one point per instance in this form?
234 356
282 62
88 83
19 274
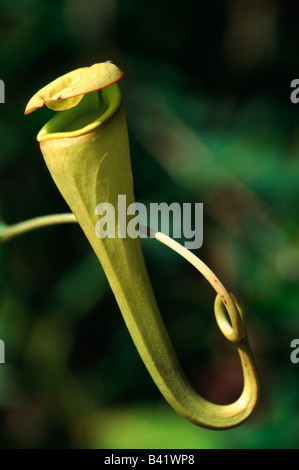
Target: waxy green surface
86 149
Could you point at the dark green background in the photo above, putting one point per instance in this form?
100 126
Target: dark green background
207 94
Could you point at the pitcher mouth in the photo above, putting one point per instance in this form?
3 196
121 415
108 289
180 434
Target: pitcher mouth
93 110
83 100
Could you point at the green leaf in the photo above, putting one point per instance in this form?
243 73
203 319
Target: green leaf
67 91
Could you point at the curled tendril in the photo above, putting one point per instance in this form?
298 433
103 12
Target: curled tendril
230 317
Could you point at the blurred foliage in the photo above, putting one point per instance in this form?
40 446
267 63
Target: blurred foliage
207 95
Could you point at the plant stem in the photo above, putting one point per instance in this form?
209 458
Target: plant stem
9 232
